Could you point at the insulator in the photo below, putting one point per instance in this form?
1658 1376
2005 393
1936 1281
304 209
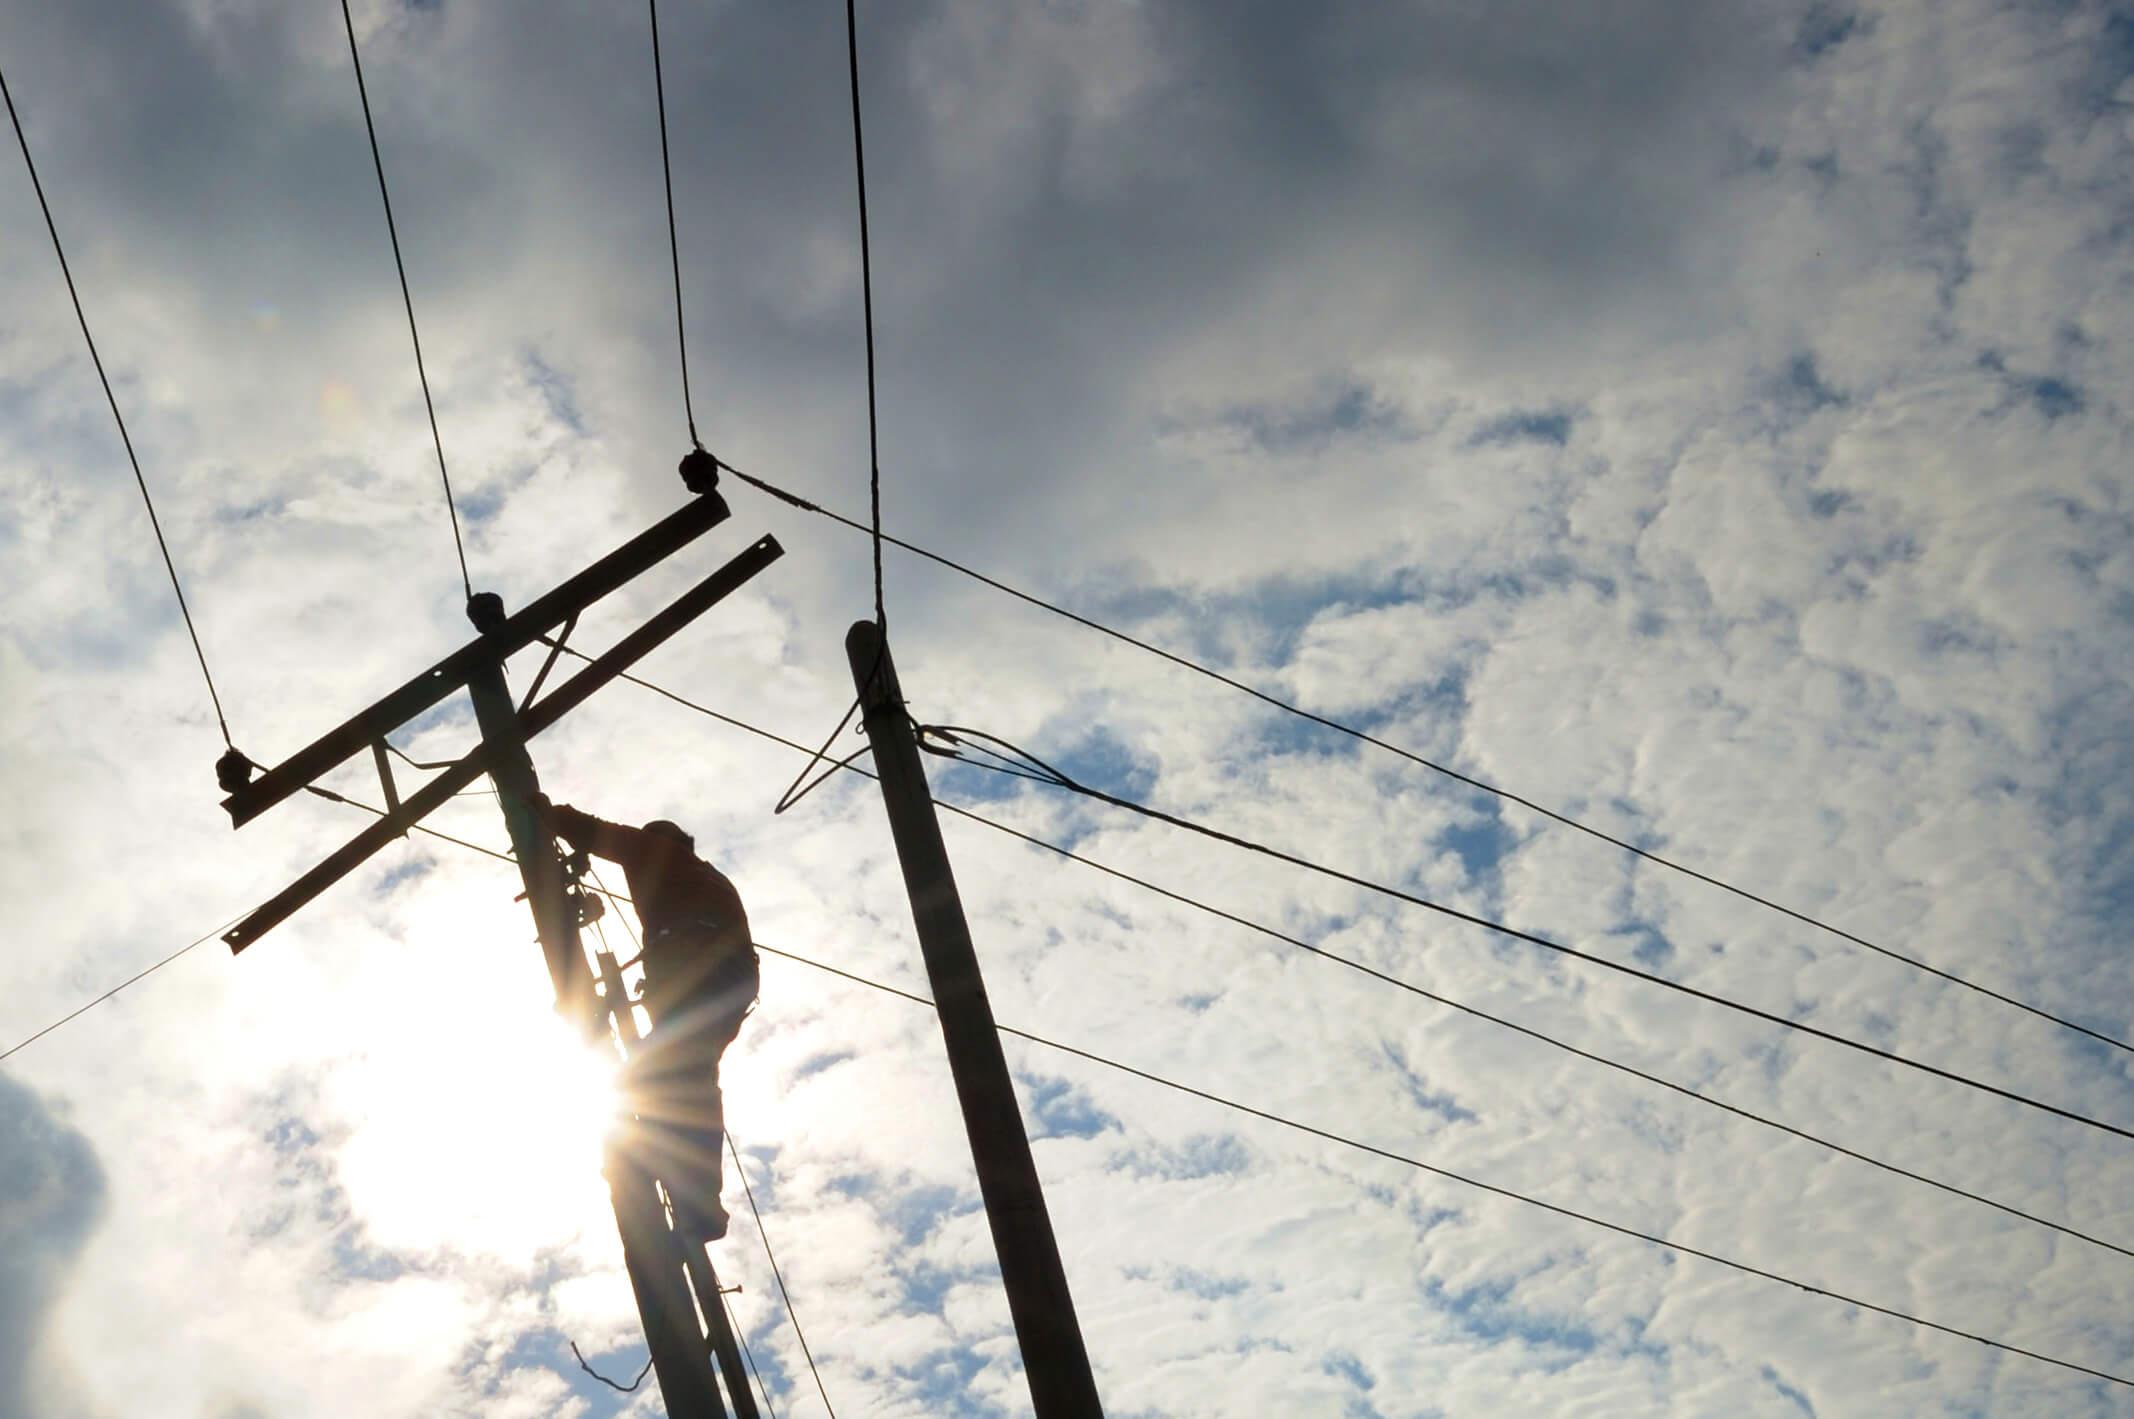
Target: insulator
233 771
699 470
486 610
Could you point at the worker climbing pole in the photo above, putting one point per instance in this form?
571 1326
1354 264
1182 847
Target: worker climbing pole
662 1162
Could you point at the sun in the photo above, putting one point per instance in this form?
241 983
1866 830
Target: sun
480 1124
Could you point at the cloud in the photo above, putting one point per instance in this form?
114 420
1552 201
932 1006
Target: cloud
1701 419
52 1194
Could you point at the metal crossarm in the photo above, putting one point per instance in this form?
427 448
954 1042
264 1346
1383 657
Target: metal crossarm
560 701
518 631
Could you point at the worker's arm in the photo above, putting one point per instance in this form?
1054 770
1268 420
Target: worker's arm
612 841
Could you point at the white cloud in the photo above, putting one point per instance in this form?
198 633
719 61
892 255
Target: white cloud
1703 419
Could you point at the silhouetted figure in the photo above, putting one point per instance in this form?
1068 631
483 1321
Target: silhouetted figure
701 980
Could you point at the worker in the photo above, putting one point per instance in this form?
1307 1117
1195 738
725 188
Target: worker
701 980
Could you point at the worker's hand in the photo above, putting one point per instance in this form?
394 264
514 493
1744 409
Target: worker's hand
545 809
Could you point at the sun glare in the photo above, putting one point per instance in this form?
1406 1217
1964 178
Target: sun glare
483 1136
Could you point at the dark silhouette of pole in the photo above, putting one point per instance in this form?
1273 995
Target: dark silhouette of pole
703 1277
1055 1362
649 1249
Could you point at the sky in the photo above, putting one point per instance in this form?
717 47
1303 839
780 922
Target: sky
1705 420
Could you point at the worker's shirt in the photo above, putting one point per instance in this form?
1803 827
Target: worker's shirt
676 891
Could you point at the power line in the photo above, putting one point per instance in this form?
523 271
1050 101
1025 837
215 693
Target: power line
1351 963
1323 1134
779 1276
139 975
355 58
1059 779
674 246
1327 1135
1365 737
1229 1103
874 442
67 271
733 1323
795 791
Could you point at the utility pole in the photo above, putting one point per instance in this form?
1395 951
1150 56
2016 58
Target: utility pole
670 1273
661 1260
1055 1362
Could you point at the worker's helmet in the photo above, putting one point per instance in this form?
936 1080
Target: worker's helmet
672 831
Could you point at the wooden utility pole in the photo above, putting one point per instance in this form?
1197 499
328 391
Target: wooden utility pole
661 1260
1055 1362
670 1273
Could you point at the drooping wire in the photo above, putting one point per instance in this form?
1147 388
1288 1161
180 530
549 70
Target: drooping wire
741 1168
355 59
616 1385
674 245
1328 1135
96 359
1060 779
795 791
1351 963
1386 745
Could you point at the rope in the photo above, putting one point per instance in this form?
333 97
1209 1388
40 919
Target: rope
73 294
355 58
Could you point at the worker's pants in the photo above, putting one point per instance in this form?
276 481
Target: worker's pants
697 1006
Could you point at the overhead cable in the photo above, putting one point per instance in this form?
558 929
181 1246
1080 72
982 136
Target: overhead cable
155 523
1365 737
777 1275
1621 1229
355 58
1351 963
674 246
748 1356
139 975
874 439
797 789
1324 1134
956 735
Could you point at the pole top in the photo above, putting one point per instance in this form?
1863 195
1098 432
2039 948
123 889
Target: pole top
862 641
